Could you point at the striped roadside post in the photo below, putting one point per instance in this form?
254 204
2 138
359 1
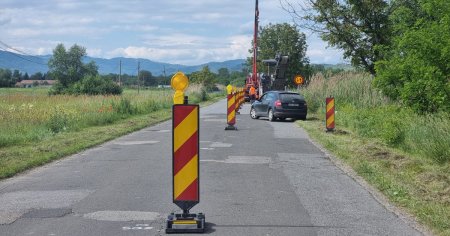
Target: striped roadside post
231 110
241 98
185 156
236 100
185 162
330 114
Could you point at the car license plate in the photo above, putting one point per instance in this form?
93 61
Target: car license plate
293 105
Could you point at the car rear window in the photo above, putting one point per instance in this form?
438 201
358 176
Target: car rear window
287 97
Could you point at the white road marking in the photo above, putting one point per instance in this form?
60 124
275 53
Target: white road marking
125 143
122 215
137 227
220 144
163 131
243 160
215 120
206 116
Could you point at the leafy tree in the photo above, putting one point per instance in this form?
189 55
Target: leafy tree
223 75
204 77
25 76
417 66
147 77
67 66
16 76
359 27
287 40
76 77
36 76
6 78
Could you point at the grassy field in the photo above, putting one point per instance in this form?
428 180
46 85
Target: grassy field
405 155
37 128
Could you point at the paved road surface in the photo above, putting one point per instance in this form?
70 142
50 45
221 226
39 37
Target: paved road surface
264 179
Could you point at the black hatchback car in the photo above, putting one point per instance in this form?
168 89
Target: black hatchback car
281 105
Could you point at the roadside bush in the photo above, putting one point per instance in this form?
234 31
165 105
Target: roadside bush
369 114
392 131
90 85
430 136
95 85
58 121
124 107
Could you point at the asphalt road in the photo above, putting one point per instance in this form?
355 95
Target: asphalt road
266 178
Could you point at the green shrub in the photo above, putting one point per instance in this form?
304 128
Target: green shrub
58 121
96 85
198 96
392 132
124 107
430 136
366 112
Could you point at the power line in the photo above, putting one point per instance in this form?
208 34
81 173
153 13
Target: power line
23 58
19 51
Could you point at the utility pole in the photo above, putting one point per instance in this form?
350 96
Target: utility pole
138 80
120 73
164 76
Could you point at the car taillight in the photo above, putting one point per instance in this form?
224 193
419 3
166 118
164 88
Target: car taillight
278 103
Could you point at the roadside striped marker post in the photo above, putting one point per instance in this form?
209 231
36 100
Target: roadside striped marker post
185 165
231 110
185 156
236 101
330 114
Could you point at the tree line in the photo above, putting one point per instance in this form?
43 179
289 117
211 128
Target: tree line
75 77
9 78
404 44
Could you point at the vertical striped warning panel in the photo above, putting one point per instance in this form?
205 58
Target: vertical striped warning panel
185 141
231 111
330 114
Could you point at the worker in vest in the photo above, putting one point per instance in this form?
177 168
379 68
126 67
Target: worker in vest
252 94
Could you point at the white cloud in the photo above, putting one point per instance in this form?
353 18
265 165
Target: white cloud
94 52
235 47
4 20
174 31
207 16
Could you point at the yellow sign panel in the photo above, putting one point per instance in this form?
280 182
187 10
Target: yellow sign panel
299 79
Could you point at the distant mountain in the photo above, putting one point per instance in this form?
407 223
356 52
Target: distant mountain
33 64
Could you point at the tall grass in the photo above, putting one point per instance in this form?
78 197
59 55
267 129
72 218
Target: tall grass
31 115
363 109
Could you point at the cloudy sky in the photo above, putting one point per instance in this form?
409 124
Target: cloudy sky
188 32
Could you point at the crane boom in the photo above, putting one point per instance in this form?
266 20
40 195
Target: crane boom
253 79
255 43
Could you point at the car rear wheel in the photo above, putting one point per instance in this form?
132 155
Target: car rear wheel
271 116
253 113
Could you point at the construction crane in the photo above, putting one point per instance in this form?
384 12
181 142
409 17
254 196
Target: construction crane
275 81
253 78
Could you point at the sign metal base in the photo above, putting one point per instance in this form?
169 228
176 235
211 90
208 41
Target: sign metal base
230 127
185 223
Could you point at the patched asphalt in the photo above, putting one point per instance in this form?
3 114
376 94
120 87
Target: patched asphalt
266 178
